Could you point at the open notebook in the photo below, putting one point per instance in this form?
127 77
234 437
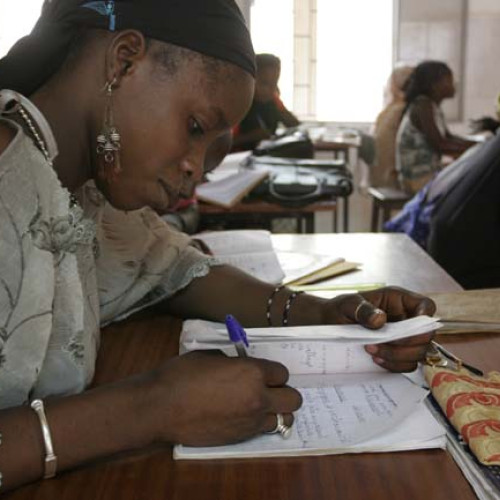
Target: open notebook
229 191
350 404
252 251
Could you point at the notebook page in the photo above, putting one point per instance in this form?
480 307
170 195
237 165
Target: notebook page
243 241
250 251
344 414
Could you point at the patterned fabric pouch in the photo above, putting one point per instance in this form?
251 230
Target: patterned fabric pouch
472 404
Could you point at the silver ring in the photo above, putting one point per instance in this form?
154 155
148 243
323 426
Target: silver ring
358 308
281 428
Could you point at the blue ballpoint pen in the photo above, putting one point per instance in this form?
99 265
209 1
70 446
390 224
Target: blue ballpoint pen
237 336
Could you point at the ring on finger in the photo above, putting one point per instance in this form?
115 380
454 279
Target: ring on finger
358 309
281 427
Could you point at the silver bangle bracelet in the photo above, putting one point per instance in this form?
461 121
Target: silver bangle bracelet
50 461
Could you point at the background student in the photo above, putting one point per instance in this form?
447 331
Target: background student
267 109
423 136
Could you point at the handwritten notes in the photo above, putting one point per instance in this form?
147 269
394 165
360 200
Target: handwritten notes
344 414
350 404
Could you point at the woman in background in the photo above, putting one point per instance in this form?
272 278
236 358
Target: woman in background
267 109
383 173
423 136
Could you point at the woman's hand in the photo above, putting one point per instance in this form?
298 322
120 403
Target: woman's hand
373 309
207 399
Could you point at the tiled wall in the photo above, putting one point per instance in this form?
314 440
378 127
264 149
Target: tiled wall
434 30
482 58
465 34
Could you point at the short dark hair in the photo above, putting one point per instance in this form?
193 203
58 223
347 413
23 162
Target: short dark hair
423 79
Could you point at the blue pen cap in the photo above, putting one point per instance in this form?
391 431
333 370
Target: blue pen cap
235 330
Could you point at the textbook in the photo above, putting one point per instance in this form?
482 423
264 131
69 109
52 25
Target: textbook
252 251
350 404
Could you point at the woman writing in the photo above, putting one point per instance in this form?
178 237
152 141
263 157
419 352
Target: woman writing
423 136
124 100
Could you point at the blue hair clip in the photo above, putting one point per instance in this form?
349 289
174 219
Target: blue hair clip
105 8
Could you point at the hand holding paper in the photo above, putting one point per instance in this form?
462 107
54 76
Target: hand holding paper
373 309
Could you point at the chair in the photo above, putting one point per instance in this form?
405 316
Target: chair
385 199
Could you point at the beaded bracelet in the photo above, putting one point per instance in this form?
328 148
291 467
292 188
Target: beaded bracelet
270 303
288 305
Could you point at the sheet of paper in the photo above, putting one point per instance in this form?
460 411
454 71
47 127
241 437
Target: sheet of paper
250 251
297 264
342 414
205 331
230 165
303 357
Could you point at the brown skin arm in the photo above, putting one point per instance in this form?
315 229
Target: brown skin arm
448 144
184 401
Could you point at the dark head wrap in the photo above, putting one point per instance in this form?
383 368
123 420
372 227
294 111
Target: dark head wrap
215 28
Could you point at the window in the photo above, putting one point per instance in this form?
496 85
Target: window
17 19
273 20
337 55
354 52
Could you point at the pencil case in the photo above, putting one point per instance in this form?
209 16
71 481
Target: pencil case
471 403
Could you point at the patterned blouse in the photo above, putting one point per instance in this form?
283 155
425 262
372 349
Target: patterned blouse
66 268
415 156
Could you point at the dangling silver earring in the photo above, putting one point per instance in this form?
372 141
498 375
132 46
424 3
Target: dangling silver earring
109 140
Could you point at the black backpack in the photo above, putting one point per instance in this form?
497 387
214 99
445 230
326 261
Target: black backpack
298 182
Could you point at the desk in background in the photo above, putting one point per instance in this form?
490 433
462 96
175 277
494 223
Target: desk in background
258 214
144 341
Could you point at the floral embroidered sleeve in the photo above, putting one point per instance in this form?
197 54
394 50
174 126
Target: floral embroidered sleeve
141 261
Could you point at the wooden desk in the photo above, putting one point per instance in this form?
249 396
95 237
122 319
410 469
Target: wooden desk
143 342
260 214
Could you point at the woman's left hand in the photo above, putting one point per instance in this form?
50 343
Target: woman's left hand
373 309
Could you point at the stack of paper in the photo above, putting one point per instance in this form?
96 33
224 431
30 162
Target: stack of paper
350 404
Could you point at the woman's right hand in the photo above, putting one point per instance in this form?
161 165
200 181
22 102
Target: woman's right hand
205 398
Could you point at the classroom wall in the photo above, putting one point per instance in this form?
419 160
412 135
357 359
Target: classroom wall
434 30
464 33
482 68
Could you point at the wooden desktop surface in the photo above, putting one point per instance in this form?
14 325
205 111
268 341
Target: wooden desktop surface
143 342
